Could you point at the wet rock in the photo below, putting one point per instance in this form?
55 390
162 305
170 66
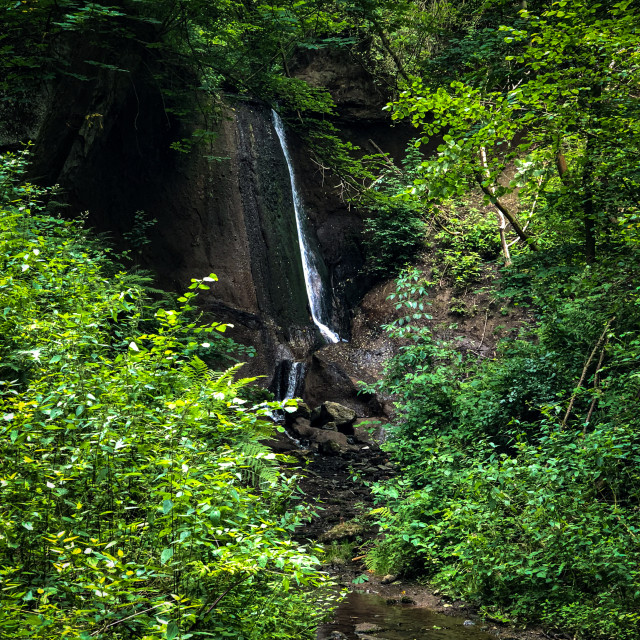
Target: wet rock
329 448
367 433
280 443
469 623
327 380
303 411
330 442
337 635
389 578
344 531
367 627
333 415
407 600
325 441
301 428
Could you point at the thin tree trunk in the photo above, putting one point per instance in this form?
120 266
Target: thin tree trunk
503 213
588 208
502 226
584 372
387 45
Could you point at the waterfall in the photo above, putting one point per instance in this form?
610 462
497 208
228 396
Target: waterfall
288 383
310 261
294 380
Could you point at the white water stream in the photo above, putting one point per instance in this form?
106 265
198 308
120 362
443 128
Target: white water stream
296 374
312 279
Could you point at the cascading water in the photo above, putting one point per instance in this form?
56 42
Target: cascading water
313 281
288 380
288 383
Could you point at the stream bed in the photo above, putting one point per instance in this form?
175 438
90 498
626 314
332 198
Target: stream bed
367 616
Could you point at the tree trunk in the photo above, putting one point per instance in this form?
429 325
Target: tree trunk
503 213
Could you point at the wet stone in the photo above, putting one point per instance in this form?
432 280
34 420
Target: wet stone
329 448
395 622
367 627
303 411
334 413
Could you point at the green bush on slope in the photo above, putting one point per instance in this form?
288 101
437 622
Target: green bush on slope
137 499
521 483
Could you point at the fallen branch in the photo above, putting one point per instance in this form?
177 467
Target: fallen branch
522 234
133 615
596 382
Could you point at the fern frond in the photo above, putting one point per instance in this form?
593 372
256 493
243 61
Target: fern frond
197 371
381 512
261 464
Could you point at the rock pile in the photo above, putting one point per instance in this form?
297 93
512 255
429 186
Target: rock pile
329 429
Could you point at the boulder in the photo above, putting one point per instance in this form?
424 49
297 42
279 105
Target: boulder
302 429
368 627
332 415
302 411
328 379
329 448
330 443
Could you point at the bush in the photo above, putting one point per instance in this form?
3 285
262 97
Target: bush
138 499
521 475
394 234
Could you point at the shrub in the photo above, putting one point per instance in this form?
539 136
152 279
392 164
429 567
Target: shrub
138 497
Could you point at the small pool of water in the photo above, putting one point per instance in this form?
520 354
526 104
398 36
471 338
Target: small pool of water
394 622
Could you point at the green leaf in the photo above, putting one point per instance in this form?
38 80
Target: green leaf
172 630
166 555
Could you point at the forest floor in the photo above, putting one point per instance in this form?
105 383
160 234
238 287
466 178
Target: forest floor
337 487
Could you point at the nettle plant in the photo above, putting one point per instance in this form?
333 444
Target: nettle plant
138 499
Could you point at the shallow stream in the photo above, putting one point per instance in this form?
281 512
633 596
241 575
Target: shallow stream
366 616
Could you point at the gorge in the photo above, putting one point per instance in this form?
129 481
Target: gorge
419 218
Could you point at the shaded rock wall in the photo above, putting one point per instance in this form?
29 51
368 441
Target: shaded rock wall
224 206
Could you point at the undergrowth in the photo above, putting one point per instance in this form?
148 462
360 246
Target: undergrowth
520 487
138 498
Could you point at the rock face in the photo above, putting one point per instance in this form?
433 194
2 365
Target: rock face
222 204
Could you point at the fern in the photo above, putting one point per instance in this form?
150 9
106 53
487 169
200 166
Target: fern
262 467
197 371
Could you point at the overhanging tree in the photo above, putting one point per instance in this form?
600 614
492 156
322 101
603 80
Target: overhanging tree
565 130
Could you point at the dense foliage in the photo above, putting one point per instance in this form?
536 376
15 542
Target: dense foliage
138 499
521 476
